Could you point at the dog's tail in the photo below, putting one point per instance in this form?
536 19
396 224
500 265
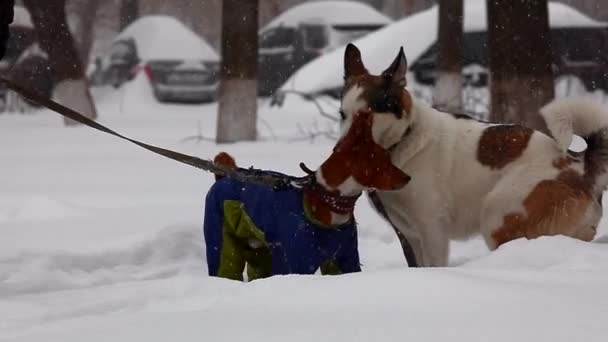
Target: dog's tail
589 120
226 160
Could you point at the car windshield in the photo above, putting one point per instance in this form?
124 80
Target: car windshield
348 33
581 45
123 51
277 38
22 38
315 36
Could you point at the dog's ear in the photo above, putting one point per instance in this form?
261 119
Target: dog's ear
353 65
396 71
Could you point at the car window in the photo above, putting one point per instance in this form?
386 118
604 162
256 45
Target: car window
581 45
123 52
315 36
21 39
427 59
475 44
348 33
279 37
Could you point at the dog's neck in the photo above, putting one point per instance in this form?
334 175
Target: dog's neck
425 126
330 206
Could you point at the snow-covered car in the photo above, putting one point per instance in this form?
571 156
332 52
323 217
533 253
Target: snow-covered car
179 65
307 31
580 48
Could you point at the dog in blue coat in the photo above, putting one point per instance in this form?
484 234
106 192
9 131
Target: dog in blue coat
297 230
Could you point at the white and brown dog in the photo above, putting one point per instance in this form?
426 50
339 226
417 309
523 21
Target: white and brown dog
469 177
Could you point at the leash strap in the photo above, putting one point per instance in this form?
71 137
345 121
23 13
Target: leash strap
408 251
276 180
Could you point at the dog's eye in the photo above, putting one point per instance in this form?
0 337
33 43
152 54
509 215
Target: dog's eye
342 115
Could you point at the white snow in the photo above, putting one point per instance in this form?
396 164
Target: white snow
37 208
101 240
159 37
415 33
335 12
21 17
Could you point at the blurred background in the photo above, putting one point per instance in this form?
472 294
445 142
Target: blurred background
177 45
92 227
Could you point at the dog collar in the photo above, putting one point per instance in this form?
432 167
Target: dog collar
334 201
407 132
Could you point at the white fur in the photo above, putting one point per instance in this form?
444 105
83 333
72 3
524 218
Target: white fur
448 90
385 130
567 116
451 194
582 116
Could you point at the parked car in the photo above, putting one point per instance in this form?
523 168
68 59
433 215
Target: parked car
579 43
25 63
180 65
580 52
307 31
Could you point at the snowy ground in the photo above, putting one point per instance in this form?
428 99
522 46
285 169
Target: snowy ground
101 240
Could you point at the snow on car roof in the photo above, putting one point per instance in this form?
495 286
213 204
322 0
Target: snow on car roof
415 33
22 17
164 37
332 12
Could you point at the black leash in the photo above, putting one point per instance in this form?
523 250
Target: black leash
264 177
408 251
278 181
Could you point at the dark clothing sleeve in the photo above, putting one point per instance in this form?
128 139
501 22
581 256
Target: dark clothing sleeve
213 231
348 261
6 17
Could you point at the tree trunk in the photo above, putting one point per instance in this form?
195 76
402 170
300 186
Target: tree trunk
129 11
237 108
408 7
448 83
86 13
269 9
71 87
521 75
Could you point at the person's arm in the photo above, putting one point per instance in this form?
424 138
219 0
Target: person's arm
6 18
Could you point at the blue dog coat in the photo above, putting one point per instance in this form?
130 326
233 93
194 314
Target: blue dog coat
269 231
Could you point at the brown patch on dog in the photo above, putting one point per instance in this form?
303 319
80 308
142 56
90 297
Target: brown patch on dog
318 209
500 145
358 155
353 64
226 160
381 95
563 162
384 93
407 101
554 207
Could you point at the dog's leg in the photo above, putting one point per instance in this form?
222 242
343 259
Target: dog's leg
424 231
430 245
506 197
587 230
436 245
406 244
411 233
551 207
